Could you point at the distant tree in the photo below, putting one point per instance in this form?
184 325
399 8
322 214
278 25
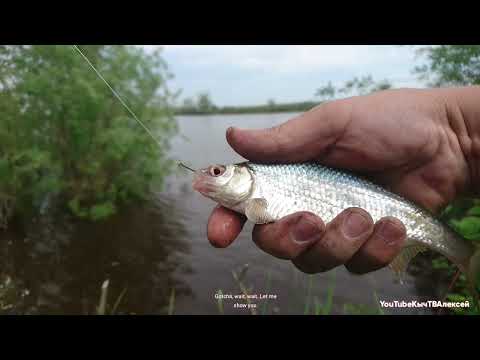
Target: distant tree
326 92
271 104
360 85
188 103
450 65
382 85
205 103
364 85
356 86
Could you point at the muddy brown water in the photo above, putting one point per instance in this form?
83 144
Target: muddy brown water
157 258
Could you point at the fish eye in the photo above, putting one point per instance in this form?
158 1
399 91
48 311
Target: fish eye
216 170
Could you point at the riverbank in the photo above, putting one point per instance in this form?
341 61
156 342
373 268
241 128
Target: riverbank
254 109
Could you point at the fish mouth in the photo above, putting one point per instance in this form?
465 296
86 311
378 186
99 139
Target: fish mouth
203 184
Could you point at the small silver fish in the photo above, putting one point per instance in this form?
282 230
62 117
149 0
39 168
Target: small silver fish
267 192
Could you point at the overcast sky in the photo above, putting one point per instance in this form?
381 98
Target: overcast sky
247 75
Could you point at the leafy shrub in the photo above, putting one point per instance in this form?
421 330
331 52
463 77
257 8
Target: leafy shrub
63 133
464 217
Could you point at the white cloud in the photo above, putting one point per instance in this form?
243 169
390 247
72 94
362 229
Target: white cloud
287 58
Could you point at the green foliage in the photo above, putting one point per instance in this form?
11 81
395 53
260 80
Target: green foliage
205 103
464 217
469 227
102 211
327 92
450 64
326 308
356 86
63 133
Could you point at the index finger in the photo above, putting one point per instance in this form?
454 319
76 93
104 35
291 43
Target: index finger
224 225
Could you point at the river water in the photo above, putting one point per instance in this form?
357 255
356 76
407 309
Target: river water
157 258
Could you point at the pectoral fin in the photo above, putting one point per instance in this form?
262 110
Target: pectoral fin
256 211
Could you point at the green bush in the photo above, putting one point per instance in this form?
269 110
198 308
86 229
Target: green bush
63 133
464 217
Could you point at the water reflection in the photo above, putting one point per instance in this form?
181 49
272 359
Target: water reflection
55 265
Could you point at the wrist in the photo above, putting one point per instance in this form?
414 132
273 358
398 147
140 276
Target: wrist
463 112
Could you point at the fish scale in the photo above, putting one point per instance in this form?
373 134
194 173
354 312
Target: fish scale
326 192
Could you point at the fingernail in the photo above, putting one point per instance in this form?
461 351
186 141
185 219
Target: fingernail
390 232
229 130
305 231
355 225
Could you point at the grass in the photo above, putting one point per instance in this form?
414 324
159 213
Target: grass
379 308
102 305
317 307
327 308
7 293
267 290
308 297
238 279
171 302
103 308
312 305
220 303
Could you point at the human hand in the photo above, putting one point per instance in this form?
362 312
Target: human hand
408 140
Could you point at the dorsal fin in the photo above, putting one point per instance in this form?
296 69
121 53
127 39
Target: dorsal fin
400 263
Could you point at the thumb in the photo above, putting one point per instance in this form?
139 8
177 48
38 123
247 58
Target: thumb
301 138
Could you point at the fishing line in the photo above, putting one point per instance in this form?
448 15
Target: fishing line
179 163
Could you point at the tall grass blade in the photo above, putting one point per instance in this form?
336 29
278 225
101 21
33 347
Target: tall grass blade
244 290
330 291
102 306
317 306
307 299
220 303
119 299
171 303
379 308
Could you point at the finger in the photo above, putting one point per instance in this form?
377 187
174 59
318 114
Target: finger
299 139
343 237
223 227
290 236
386 242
